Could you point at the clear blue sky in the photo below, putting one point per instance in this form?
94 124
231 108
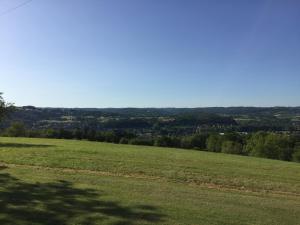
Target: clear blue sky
150 53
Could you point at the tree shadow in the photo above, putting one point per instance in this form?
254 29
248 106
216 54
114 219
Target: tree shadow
61 203
21 145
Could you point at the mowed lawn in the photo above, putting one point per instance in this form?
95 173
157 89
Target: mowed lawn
57 182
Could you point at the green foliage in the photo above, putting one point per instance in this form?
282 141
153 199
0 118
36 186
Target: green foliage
202 118
124 140
199 141
270 145
232 147
233 136
186 142
296 154
166 141
260 144
16 129
5 108
160 122
111 137
91 135
141 141
64 134
78 134
49 133
214 143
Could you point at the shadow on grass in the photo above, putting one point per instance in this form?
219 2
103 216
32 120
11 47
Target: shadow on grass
60 204
21 145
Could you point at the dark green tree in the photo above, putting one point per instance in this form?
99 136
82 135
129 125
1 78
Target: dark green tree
199 141
166 141
5 108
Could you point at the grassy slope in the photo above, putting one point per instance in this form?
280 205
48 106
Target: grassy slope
96 183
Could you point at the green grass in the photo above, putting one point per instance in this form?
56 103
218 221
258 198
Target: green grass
45 181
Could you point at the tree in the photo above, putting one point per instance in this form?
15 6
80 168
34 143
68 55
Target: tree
232 147
214 143
141 141
17 129
64 134
124 140
270 145
77 134
296 155
255 144
5 108
199 141
186 142
166 141
233 136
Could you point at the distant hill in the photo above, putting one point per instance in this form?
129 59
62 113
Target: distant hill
236 118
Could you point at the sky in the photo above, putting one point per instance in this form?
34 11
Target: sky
150 53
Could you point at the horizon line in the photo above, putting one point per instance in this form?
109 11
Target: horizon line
150 107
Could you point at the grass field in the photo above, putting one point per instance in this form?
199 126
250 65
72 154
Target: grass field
59 182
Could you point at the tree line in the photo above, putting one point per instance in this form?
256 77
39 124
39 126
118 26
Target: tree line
281 146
